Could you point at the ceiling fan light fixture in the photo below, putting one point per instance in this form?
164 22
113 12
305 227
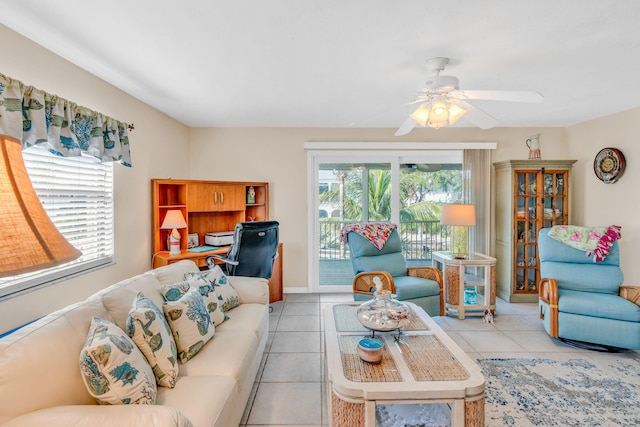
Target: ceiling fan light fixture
421 115
455 112
439 115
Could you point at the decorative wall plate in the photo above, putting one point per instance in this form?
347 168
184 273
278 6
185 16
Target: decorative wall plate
609 165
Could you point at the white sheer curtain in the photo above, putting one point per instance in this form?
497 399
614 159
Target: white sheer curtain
476 176
60 126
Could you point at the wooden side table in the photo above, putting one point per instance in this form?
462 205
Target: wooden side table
478 271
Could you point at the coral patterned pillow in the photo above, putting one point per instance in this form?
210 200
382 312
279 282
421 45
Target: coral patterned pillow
149 329
175 291
227 294
190 323
114 370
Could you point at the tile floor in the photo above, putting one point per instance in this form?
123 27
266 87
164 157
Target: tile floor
289 389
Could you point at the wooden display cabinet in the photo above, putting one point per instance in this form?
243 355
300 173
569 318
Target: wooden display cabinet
530 195
208 207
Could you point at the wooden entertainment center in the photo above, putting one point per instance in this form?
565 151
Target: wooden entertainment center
208 207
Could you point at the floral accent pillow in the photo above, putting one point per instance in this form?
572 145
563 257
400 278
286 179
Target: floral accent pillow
149 329
227 295
175 291
190 323
114 371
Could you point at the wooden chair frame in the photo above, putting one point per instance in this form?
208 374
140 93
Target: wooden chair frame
548 293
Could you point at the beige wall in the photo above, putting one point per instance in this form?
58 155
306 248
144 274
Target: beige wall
598 203
158 146
278 156
162 147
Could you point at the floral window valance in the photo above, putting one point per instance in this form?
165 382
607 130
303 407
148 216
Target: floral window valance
60 126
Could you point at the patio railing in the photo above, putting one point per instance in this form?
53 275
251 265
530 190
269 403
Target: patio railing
419 239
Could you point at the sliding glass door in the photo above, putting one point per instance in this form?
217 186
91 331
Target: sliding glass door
407 190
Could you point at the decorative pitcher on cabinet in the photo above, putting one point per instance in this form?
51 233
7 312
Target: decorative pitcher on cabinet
533 144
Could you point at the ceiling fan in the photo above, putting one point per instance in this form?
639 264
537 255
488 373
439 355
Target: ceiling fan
443 102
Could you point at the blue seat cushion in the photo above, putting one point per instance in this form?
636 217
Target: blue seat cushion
597 305
392 263
409 287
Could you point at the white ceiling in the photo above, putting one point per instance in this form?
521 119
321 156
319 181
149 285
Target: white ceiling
342 63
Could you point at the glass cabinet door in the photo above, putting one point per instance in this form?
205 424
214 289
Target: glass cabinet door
541 201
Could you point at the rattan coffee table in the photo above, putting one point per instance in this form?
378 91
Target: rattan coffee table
426 368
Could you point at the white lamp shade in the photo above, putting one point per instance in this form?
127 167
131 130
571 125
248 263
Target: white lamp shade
174 219
31 241
457 214
421 115
455 113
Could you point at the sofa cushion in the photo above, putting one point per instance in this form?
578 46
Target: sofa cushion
174 272
39 362
226 293
248 317
597 305
228 353
149 329
117 298
175 291
211 401
101 415
115 371
190 323
251 290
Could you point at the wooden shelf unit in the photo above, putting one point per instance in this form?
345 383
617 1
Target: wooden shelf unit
207 207
530 195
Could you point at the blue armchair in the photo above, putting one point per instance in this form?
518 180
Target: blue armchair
419 285
579 298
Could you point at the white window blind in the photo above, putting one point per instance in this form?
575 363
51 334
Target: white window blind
77 193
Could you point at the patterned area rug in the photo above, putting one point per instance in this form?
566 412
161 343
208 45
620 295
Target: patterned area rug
574 392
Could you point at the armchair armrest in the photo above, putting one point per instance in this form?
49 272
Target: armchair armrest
102 415
431 273
426 273
251 289
548 293
363 282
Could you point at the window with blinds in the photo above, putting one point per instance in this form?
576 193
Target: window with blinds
77 193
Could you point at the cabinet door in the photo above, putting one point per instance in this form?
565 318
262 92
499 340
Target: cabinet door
555 198
215 197
527 224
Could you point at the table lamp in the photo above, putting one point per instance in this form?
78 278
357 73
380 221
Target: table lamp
31 241
174 220
460 217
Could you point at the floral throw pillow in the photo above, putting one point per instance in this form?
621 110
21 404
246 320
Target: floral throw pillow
225 290
190 323
175 291
114 371
149 329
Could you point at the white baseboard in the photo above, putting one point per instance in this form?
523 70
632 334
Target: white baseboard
324 289
292 290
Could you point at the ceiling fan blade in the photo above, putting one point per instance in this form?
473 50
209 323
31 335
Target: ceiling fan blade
406 127
477 116
499 95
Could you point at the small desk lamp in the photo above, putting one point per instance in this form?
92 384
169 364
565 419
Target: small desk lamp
31 240
460 217
174 220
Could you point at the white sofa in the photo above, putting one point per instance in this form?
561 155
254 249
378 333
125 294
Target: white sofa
41 384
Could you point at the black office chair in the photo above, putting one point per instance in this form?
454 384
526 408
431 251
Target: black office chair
254 249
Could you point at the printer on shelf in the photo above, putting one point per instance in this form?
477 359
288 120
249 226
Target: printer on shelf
221 238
